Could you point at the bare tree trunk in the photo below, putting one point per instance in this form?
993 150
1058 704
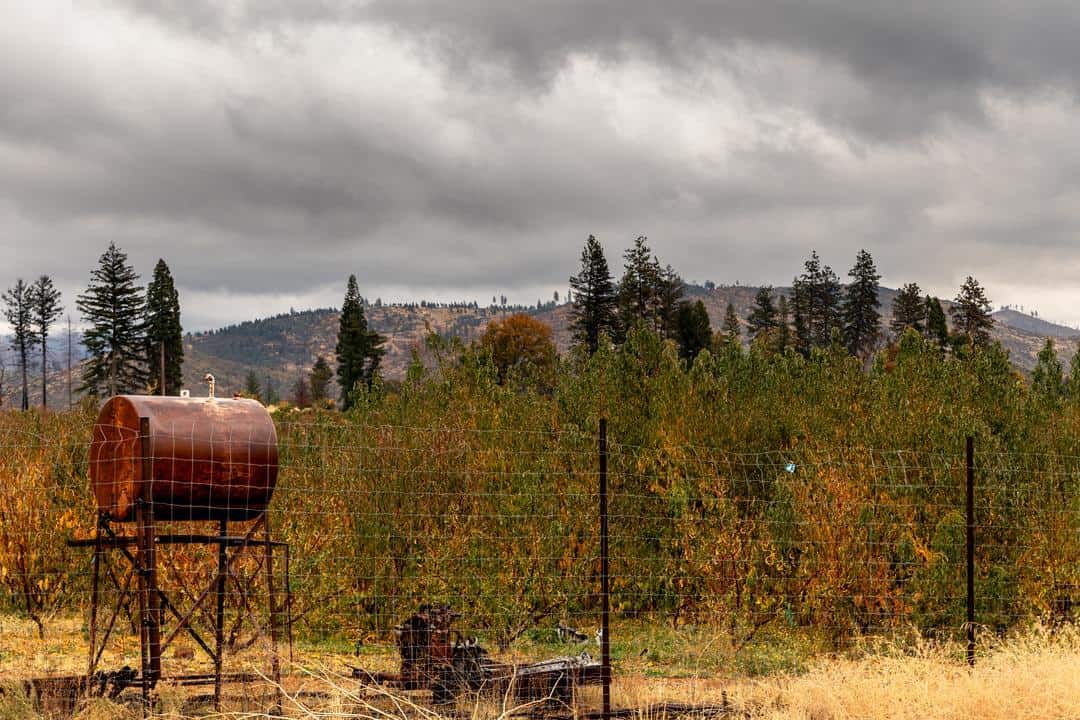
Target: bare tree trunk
44 370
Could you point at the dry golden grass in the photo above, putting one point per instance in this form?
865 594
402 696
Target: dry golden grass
1032 675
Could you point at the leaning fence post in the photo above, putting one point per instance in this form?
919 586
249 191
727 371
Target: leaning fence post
605 602
970 550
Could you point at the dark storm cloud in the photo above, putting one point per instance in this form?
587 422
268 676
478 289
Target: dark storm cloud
268 148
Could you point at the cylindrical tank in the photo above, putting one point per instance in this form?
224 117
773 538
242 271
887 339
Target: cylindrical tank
212 459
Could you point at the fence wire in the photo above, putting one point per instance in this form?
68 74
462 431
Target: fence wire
801 544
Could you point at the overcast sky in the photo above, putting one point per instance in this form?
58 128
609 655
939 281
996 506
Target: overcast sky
456 149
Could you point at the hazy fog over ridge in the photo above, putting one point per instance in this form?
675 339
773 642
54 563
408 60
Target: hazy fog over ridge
456 150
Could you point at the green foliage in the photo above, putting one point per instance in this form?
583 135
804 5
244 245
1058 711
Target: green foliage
163 331
593 310
815 305
252 388
908 310
971 313
113 307
731 324
763 317
937 329
359 350
647 292
1047 379
319 380
753 492
694 333
861 319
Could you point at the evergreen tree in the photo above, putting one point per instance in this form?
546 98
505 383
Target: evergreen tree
301 393
593 290
908 310
1047 380
937 329
862 321
320 377
669 294
252 389
731 325
270 394
637 296
359 350
971 313
694 331
19 311
762 317
1072 386
46 309
816 305
783 330
113 307
163 328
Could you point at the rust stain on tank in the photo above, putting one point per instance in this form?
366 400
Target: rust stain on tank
213 459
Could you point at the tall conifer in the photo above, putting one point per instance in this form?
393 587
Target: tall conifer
971 313
359 349
862 321
46 310
593 291
18 309
908 310
937 328
113 308
762 317
163 328
815 303
731 324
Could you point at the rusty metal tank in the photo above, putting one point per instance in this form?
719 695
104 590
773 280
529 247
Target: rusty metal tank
212 458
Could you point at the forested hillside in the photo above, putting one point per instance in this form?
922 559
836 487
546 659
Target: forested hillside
283 346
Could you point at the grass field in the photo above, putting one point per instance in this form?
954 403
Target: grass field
1035 674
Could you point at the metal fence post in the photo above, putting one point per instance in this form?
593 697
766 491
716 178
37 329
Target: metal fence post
971 550
605 608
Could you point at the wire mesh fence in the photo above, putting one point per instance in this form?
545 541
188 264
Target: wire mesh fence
712 552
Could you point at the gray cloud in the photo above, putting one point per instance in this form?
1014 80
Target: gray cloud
267 149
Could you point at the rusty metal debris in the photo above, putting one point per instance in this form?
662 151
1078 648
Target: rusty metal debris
435 657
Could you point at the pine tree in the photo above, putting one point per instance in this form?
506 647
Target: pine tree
1047 379
1072 386
816 305
113 307
694 333
669 294
862 321
163 329
270 394
301 393
46 309
19 311
252 389
908 310
783 330
971 313
359 350
937 329
762 317
319 379
593 290
637 296
731 325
